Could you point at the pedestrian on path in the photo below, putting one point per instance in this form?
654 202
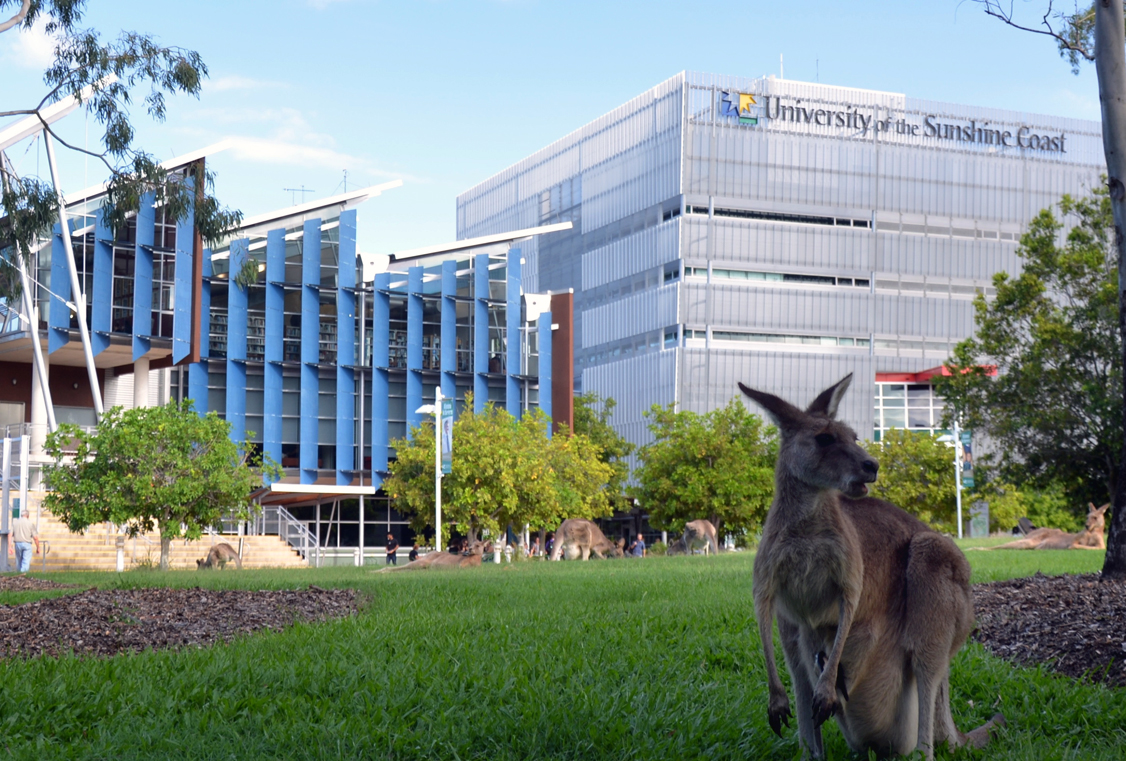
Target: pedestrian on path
392 549
23 534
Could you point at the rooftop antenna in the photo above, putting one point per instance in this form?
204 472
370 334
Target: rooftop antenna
345 180
302 190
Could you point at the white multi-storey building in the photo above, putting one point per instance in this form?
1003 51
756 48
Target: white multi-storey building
782 234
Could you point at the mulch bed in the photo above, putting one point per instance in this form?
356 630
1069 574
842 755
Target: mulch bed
1075 625
108 622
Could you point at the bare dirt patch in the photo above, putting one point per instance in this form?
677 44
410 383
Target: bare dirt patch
1075 625
108 622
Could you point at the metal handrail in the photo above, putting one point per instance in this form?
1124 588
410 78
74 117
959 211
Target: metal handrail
274 519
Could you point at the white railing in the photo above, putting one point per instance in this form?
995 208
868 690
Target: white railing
275 520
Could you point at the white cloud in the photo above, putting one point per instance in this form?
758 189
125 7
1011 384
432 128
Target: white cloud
285 138
236 82
28 48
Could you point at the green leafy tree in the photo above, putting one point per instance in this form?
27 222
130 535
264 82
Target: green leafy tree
917 474
149 467
718 466
1042 375
1096 33
592 420
504 472
1050 508
113 71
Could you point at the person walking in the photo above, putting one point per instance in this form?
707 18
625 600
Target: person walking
23 534
637 549
392 548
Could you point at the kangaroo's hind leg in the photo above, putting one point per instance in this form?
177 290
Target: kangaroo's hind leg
946 731
798 655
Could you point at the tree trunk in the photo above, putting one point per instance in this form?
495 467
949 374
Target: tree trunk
165 552
1110 65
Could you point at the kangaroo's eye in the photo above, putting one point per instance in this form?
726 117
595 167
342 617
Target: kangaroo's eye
825 439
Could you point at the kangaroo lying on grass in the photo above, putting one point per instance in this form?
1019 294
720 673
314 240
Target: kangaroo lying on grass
219 556
698 535
578 537
871 603
445 560
1091 538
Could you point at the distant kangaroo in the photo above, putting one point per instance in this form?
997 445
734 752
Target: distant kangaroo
698 535
445 560
578 537
872 604
219 556
1091 538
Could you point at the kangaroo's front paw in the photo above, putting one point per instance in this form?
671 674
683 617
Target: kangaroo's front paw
824 705
779 712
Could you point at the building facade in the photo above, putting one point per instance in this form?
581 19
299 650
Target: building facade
320 354
782 234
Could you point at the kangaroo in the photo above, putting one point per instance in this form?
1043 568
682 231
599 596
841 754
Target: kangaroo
578 537
219 556
1091 538
871 603
698 535
445 560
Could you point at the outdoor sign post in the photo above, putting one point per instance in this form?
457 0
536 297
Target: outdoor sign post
443 412
958 438
443 455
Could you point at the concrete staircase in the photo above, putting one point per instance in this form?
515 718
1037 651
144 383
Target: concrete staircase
95 550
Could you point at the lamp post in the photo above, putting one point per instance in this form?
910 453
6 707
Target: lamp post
435 409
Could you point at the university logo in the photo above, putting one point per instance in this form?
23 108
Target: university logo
739 105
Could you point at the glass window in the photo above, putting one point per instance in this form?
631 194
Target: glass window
919 418
894 418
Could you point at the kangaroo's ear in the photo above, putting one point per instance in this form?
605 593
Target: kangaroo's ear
1102 509
784 414
829 400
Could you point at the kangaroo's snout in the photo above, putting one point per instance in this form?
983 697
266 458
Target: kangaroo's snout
870 468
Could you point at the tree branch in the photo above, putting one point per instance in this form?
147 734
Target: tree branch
993 8
15 20
100 156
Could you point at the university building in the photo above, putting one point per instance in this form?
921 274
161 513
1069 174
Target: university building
323 355
782 234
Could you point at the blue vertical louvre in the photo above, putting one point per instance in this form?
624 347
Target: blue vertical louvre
512 337
544 327
346 350
480 332
58 313
182 272
275 345
197 371
449 329
414 348
142 277
310 347
380 382
101 314
236 344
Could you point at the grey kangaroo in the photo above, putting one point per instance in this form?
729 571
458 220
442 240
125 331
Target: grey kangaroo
871 603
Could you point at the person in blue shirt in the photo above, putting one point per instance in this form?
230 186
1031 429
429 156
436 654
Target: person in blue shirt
637 549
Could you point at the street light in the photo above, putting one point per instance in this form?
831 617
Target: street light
435 409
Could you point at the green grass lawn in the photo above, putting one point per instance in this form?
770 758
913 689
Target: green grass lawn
602 660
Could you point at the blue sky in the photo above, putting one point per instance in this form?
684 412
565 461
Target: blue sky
445 93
